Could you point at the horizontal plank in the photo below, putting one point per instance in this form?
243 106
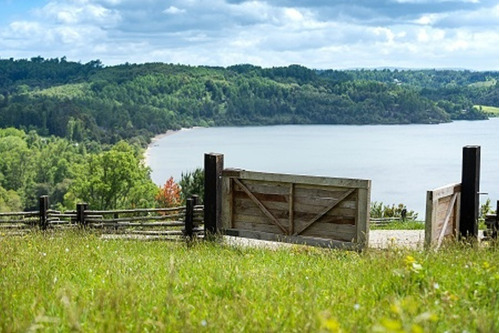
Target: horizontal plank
445 191
339 229
138 218
281 191
281 211
262 196
135 211
301 240
256 186
344 232
15 226
20 214
301 211
298 179
24 221
255 226
318 204
107 224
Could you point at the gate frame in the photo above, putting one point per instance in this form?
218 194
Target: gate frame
362 217
434 232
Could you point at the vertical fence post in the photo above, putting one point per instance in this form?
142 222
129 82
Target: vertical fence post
80 214
469 203
195 199
44 207
214 164
188 222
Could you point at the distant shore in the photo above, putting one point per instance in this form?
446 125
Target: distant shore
154 140
147 152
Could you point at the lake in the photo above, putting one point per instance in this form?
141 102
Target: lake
403 161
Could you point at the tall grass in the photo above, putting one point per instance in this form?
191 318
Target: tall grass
79 282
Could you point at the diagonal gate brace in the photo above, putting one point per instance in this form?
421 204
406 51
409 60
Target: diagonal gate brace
261 206
324 212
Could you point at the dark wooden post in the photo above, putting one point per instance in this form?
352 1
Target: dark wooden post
80 214
214 164
469 203
195 199
188 222
44 208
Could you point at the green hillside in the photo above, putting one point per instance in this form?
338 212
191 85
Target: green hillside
91 102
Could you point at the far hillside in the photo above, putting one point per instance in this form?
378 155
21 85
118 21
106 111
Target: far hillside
91 102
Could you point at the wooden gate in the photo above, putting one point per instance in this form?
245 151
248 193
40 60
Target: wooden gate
320 211
442 214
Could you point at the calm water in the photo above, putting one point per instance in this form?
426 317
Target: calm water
403 161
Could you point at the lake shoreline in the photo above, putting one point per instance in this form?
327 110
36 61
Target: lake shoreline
396 158
147 153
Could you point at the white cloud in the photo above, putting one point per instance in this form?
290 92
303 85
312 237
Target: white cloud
174 10
319 34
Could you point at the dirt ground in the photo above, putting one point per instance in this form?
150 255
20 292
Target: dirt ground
380 239
396 238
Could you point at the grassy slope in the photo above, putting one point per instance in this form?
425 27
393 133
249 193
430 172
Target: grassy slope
79 282
491 111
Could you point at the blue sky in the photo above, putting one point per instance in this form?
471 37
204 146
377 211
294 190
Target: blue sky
322 34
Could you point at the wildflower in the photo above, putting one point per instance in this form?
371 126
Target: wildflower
204 323
415 328
391 324
67 250
395 308
356 306
409 260
328 323
435 285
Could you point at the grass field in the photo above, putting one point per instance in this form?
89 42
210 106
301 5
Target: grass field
79 282
399 225
489 110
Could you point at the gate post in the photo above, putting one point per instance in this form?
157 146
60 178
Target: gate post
469 203
188 220
44 207
214 164
80 214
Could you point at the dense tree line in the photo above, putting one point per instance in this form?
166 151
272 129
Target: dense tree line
91 103
69 172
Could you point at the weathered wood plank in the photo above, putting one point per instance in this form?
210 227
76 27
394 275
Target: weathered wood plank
322 213
344 232
227 201
134 211
446 191
261 206
299 179
281 210
363 216
328 243
441 205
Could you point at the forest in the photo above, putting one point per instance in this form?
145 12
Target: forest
66 126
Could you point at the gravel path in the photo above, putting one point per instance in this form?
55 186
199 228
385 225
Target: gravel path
397 238
380 239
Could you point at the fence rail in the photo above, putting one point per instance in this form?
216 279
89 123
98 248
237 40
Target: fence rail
167 222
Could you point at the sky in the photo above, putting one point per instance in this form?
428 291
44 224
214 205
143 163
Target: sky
320 34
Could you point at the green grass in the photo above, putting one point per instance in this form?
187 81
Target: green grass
491 111
399 225
79 282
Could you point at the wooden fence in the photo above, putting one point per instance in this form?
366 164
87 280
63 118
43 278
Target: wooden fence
150 222
320 211
442 214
